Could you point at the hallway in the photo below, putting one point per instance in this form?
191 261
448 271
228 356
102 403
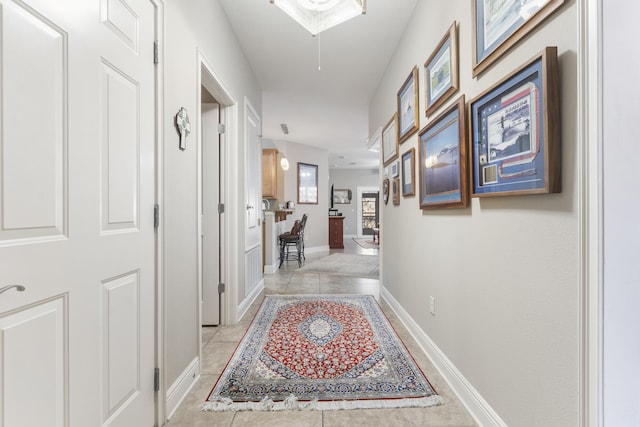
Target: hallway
220 342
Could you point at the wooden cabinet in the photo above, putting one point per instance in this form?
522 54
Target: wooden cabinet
269 172
336 232
272 175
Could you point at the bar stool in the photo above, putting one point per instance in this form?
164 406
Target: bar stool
295 237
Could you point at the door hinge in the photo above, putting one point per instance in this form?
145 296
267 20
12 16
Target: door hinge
221 288
156 58
221 128
156 216
156 379
220 208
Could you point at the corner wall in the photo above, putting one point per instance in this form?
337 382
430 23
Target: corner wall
200 24
503 272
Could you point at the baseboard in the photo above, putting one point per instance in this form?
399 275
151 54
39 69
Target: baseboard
181 387
316 249
271 268
479 409
250 299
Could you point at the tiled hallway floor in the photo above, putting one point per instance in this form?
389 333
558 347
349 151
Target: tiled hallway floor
220 342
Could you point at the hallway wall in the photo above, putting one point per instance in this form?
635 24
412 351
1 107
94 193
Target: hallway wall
199 24
351 179
503 272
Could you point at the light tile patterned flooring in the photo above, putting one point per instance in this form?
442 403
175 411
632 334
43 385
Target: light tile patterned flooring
220 342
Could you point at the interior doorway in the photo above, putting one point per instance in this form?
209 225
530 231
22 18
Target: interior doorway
211 138
368 210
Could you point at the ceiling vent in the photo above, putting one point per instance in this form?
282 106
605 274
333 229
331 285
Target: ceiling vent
285 128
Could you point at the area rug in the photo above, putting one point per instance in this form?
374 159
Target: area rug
320 352
345 265
366 243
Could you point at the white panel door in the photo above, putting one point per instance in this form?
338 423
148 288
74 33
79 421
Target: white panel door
210 217
77 173
253 176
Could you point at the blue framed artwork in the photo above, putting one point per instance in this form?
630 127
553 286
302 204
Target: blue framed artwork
515 128
499 24
441 71
443 160
408 107
409 173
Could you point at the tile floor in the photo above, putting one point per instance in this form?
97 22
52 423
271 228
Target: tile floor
220 342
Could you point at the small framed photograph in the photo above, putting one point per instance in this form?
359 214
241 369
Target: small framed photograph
394 170
441 71
443 160
390 141
396 191
515 132
341 197
409 173
499 25
385 190
408 107
307 184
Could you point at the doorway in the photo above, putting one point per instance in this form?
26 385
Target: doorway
368 210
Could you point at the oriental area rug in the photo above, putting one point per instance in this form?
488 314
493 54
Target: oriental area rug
320 352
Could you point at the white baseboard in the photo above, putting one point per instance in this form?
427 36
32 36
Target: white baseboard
316 249
271 268
479 408
250 299
181 387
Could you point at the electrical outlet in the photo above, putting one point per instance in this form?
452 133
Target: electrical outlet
432 305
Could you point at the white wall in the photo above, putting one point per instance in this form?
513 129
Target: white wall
351 179
189 26
317 228
504 272
621 152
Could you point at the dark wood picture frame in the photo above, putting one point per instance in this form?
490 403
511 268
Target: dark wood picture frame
443 160
408 105
395 184
503 36
515 132
307 184
441 71
409 173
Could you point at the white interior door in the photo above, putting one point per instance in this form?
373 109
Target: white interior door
76 208
253 175
210 117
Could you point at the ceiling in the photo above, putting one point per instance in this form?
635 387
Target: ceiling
327 107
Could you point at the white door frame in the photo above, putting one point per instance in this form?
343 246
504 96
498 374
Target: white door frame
228 189
362 190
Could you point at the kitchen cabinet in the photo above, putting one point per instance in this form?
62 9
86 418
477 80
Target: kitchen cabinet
336 240
272 175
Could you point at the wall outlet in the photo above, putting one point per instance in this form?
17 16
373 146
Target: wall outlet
432 305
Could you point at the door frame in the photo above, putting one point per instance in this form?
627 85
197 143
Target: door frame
362 190
229 190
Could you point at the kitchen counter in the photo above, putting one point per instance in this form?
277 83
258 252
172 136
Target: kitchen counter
280 214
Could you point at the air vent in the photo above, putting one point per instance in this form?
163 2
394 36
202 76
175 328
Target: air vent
285 128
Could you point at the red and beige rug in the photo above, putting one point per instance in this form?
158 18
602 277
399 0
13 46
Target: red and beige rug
320 352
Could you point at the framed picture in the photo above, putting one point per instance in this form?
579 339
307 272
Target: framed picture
307 184
441 71
515 132
408 173
394 170
390 141
396 191
443 160
499 24
341 197
408 107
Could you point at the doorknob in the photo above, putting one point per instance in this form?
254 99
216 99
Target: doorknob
19 288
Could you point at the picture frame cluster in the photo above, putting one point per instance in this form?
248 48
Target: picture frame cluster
503 142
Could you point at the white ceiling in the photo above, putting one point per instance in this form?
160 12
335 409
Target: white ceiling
327 108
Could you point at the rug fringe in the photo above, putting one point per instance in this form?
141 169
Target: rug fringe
291 403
